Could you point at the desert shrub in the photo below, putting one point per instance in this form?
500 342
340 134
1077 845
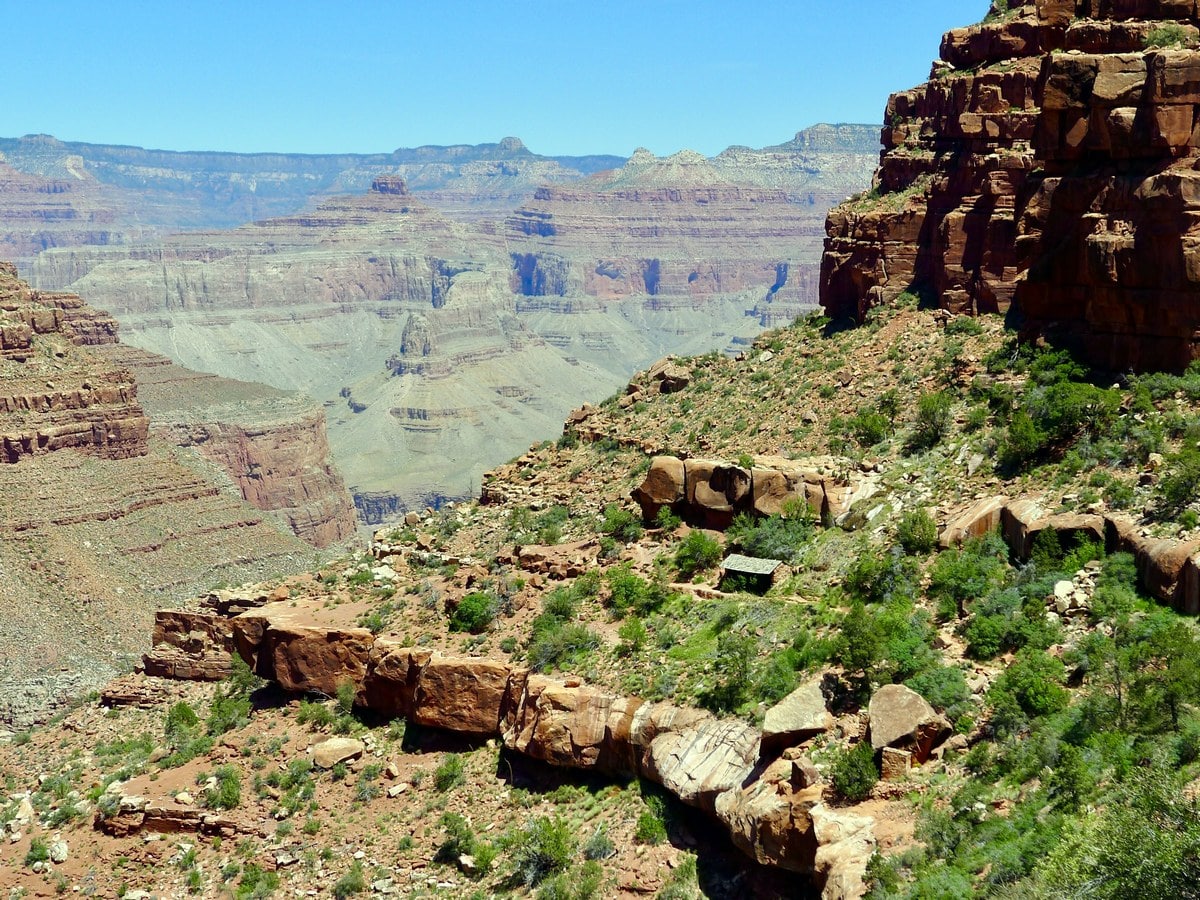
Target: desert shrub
475 612
633 636
731 672
696 553
944 687
931 421
255 883
459 841
877 575
1035 682
1176 490
868 426
227 793
774 537
621 524
1167 36
859 646
558 644
917 531
599 845
353 882
963 326
231 704
853 772
959 575
542 849
450 773
667 519
650 828
39 851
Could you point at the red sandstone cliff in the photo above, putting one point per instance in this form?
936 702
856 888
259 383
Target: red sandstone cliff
1049 166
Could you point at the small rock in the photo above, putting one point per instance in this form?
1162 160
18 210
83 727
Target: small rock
396 790
392 770
184 798
1063 590
59 851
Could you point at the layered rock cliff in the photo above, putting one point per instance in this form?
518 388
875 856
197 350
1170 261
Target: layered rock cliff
101 520
1048 167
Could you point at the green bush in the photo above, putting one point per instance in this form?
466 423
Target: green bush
696 553
853 772
868 427
474 613
1167 36
944 687
353 882
960 575
227 794
450 773
1176 490
621 524
650 829
931 421
917 531
774 537
731 671
542 849
1035 681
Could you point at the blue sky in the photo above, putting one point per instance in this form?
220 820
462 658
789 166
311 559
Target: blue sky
567 77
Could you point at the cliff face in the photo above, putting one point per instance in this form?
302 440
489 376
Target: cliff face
53 396
1049 164
101 519
273 445
684 229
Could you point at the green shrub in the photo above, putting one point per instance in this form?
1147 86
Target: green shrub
774 537
557 644
650 829
917 531
39 851
474 613
960 575
1035 681
542 849
868 427
696 553
633 636
853 772
450 773
353 882
599 845
931 421
621 524
731 671
1167 36
667 519
227 794
1176 490
878 576
944 687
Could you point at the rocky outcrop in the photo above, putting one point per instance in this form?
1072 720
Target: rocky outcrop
57 395
102 524
774 811
902 718
1168 569
712 493
271 443
1048 164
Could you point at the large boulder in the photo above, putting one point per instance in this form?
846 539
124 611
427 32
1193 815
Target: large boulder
900 717
699 763
462 694
578 727
715 491
797 717
769 820
279 644
980 519
663 485
328 754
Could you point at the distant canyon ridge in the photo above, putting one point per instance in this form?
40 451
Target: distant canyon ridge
446 305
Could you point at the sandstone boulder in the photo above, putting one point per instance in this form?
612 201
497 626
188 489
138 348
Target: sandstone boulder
699 763
663 486
771 823
328 754
796 718
900 717
845 843
981 518
578 727
462 694
302 657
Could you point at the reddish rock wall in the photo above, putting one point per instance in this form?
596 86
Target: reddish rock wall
1048 164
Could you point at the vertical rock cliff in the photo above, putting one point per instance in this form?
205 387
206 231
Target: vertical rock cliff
1048 167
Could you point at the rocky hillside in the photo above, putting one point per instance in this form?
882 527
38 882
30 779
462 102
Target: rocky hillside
108 512
1045 167
971 657
439 347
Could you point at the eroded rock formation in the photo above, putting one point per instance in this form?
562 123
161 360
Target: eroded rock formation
1049 164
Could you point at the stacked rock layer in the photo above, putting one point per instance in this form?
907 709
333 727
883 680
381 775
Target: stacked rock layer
1049 167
